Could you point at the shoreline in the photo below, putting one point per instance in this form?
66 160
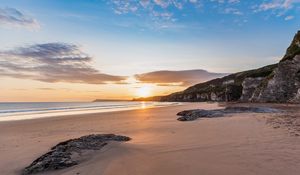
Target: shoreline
236 144
63 113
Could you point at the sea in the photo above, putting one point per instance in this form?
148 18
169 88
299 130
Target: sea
30 110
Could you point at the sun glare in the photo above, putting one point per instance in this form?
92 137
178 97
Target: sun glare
144 91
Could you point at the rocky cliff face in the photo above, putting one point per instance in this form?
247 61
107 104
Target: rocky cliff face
277 83
229 88
283 85
249 87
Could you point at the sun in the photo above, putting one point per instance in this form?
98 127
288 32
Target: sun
144 91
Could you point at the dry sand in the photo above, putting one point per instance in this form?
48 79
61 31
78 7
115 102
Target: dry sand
241 144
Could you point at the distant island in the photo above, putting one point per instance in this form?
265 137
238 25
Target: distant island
276 83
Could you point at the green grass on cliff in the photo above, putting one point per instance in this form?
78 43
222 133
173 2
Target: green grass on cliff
294 48
217 85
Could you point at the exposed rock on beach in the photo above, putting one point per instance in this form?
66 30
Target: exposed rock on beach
190 115
67 153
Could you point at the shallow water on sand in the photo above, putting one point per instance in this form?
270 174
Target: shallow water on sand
31 110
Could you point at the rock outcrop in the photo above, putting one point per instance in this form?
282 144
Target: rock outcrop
283 85
277 83
191 115
249 87
67 154
229 88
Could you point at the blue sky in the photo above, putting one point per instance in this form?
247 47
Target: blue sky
128 37
206 30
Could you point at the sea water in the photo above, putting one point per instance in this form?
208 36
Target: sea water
31 110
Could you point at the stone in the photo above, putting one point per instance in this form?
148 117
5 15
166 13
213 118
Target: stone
63 154
190 115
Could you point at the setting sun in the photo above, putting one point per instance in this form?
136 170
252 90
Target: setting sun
144 91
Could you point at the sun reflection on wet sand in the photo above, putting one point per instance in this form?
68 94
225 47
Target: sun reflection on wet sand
143 105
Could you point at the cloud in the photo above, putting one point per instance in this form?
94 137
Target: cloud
163 14
156 10
15 18
277 6
177 78
46 89
233 1
289 18
226 1
53 62
232 11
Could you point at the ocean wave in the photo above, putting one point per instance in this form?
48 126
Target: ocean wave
21 111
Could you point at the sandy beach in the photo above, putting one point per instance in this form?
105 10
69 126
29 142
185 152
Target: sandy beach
248 144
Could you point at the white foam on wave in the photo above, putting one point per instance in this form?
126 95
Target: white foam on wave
26 114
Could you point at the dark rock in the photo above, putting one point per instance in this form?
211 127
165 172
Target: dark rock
251 110
62 155
191 115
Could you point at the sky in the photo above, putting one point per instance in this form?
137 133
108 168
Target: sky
81 50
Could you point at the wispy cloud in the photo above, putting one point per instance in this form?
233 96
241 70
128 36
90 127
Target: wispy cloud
135 6
53 62
167 14
46 89
289 18
15 18
234 1
178 78
233 11
164 13
277 4
278 7
156 10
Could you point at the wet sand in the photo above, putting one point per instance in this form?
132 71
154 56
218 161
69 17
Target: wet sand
237 144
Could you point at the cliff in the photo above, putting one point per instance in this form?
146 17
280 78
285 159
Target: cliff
229 88
283 85
277 83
